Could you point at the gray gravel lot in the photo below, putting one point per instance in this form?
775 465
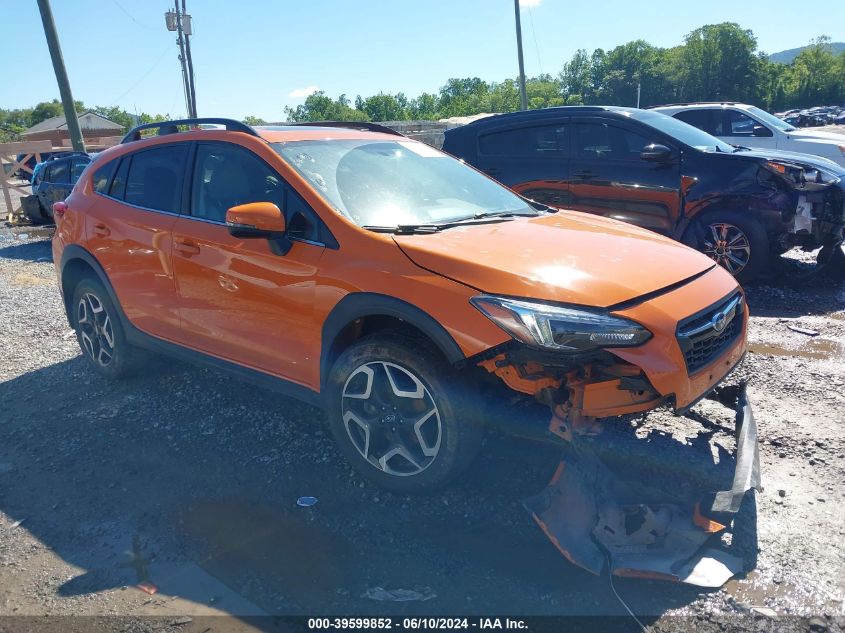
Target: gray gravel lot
187 479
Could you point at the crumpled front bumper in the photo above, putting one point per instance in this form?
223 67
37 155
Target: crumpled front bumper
595 516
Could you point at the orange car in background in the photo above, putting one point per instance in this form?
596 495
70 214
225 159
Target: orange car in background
401 290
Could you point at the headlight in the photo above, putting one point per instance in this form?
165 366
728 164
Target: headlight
559 328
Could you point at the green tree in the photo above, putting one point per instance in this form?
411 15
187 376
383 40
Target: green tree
254 120
718 63
319 107
817 76
382 107
463 97
576 78
424 107
46 110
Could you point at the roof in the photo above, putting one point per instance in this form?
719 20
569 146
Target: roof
700 104
527 115
87 121
280 133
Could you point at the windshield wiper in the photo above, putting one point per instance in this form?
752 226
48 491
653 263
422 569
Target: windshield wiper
403 228
481 218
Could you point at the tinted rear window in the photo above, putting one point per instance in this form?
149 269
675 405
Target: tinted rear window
702 119
155 178
58 172
101 177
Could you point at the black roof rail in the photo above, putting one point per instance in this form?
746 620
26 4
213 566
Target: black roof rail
171 127
353 125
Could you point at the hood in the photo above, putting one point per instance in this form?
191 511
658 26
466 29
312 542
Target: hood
567 257
800 158
832 138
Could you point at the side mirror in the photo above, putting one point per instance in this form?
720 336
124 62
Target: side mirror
656 153
761 130
259 219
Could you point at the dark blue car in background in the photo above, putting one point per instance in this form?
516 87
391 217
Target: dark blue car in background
53 180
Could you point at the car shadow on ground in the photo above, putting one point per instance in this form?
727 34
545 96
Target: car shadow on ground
187 480
38 251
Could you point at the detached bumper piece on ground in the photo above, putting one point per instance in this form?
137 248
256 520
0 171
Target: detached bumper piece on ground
598 510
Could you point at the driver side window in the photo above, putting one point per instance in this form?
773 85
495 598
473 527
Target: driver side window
225 176
739 124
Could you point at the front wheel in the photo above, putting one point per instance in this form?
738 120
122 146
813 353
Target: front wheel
737 243
398 413
832 258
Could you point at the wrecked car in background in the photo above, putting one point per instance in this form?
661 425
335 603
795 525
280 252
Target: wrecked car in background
741 208
416 301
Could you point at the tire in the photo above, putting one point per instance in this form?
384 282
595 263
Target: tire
732 239
398 413
46 213
31 207
833 259
99 331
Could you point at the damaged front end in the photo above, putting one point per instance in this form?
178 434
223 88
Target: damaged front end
639 505
812 206
594 513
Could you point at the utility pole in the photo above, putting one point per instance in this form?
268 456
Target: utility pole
188 29
61 75
173 19
523 97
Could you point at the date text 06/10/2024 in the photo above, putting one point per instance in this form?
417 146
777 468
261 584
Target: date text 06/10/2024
416 624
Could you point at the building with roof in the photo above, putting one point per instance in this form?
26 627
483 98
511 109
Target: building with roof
55 129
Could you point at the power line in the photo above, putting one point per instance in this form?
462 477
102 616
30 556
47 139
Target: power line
534 34
144 76
132 17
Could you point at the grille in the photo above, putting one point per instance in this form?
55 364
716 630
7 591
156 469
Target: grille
700 338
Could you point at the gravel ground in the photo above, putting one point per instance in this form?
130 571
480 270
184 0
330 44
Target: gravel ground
187 479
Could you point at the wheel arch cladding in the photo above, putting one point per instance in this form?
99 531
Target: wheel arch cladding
77 264
381 312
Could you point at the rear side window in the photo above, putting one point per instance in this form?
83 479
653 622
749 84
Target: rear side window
154 180
101 177
77 169
608 142
537 141
58 172
118 184
702 119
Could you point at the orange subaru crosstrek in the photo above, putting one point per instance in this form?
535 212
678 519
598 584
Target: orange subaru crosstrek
395 286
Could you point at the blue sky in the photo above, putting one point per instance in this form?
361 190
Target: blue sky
255 56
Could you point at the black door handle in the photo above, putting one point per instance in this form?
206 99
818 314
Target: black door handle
584 174
491 171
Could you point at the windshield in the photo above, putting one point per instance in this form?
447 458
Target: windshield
771 119
686 133
390 183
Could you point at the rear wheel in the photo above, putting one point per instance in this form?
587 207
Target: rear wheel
99 331
737 243
397 411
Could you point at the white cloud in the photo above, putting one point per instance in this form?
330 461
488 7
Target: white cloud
301 93
530 3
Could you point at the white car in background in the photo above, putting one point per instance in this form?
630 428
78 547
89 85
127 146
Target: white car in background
749 126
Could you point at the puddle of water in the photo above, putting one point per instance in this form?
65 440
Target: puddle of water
241 539
818 348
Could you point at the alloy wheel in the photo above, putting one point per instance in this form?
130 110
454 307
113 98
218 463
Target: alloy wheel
391 418
95 329
728 245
